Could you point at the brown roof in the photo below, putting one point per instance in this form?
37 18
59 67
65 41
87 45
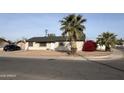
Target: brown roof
1 39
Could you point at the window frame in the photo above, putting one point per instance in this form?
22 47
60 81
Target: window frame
30 44
42 44
61 44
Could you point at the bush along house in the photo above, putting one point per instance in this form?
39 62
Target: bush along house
57 43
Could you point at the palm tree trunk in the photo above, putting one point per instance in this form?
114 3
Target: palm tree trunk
73 47
107 48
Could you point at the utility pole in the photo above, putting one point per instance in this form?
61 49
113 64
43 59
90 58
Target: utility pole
46 32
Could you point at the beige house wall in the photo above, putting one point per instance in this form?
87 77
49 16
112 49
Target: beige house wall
36 46
101 47
1 49
22 45
48 46
26 46
79 45
2 44
66 46
54 46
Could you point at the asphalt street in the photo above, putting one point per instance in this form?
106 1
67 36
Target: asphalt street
53 69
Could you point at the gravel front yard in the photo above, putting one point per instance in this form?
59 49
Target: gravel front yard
39 53
33 53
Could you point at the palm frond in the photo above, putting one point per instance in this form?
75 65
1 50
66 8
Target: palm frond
73 26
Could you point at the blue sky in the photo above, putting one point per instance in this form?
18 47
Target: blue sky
14 26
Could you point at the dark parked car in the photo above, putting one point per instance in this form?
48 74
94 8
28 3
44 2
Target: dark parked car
11 48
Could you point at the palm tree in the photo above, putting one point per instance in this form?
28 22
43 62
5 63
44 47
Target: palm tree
73 27
108 39
120 41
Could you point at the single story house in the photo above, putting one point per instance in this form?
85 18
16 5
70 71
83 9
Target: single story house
58 43
21 44
3 43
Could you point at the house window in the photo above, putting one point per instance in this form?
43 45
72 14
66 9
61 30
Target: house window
31 44
42 44
61 44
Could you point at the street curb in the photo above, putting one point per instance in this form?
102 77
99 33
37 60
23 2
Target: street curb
116 54
49 58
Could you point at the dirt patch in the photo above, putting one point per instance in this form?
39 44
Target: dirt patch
33 53
94 53
39 53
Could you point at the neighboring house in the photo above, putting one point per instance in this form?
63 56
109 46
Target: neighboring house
21 44
3 42
58 43
121 45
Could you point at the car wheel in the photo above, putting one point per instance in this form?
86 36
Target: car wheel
5 50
